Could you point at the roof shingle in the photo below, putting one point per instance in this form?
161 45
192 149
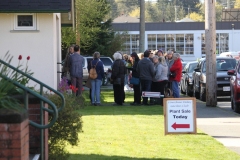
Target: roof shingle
35 6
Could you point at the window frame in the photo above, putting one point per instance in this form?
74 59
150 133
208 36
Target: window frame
33 27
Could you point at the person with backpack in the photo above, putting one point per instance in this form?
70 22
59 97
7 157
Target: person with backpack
96 74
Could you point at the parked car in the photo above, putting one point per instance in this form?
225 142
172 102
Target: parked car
235 88
186 85
107 63
223 64
235 55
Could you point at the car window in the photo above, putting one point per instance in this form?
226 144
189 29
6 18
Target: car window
192 66
106 61
222 64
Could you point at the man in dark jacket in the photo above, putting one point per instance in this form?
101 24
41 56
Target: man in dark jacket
76 70
145 69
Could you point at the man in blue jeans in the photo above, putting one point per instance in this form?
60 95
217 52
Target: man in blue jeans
145 69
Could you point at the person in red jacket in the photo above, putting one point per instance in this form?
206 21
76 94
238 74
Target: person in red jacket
176 74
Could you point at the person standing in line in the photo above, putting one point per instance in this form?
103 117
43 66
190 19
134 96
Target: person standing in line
66 62
76 70
96 83
146 72
118 73
169 62
135 74
176 69
163 79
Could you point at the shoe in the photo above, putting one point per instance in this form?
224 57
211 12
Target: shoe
93 104
145 104
133 103
98 104
115 104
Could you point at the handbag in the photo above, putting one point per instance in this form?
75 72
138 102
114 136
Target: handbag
88 83
134 81
117 81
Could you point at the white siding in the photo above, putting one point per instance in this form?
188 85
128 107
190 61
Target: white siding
41 45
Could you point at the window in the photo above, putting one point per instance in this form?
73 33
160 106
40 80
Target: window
222 43
131 43
181 43
25 21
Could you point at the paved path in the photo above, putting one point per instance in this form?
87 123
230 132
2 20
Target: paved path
221 123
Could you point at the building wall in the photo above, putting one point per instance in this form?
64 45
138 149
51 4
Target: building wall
234 37
42 45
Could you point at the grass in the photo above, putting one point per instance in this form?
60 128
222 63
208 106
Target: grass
137 132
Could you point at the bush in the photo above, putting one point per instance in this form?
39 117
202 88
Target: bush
65 130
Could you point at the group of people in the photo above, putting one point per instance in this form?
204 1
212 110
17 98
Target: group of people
74 65
154 72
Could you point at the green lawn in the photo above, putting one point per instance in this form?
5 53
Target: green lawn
137 132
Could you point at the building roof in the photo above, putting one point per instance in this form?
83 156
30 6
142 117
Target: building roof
126 19
35 6
171 26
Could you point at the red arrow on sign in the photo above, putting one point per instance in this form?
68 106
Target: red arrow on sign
175 126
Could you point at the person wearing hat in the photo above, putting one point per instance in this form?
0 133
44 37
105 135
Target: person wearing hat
146 72
135 74
159 53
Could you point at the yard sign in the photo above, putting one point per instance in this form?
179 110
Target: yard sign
179 115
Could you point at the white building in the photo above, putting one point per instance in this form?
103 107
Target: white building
186 38
33 28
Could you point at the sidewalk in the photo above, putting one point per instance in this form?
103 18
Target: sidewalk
221 124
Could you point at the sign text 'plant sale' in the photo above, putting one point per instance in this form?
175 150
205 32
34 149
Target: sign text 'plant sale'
180 115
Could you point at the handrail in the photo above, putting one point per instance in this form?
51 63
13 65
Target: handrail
39 82
54 111
40 96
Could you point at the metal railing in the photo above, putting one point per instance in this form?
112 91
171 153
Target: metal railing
54 111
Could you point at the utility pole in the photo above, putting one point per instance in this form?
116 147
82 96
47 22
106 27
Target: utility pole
210 41
142 26
175 13
228 4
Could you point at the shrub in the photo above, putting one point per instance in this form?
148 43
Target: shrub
66 129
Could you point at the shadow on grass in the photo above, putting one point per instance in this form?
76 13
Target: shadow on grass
104 157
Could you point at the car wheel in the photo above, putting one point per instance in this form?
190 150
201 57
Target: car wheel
202 95
186 90
181 89
235 106
195 94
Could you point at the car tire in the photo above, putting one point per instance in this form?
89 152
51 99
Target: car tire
195 94
235 106
202 95
182 89
188 93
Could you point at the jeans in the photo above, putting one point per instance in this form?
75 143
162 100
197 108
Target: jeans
77 85
175 89
146 86
95 95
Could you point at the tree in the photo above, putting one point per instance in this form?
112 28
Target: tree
196 17
95 34
237 4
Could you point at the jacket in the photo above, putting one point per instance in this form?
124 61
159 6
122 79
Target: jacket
145 69
99 67
134 68
161 72
177 69
76 65
118 70
169 63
